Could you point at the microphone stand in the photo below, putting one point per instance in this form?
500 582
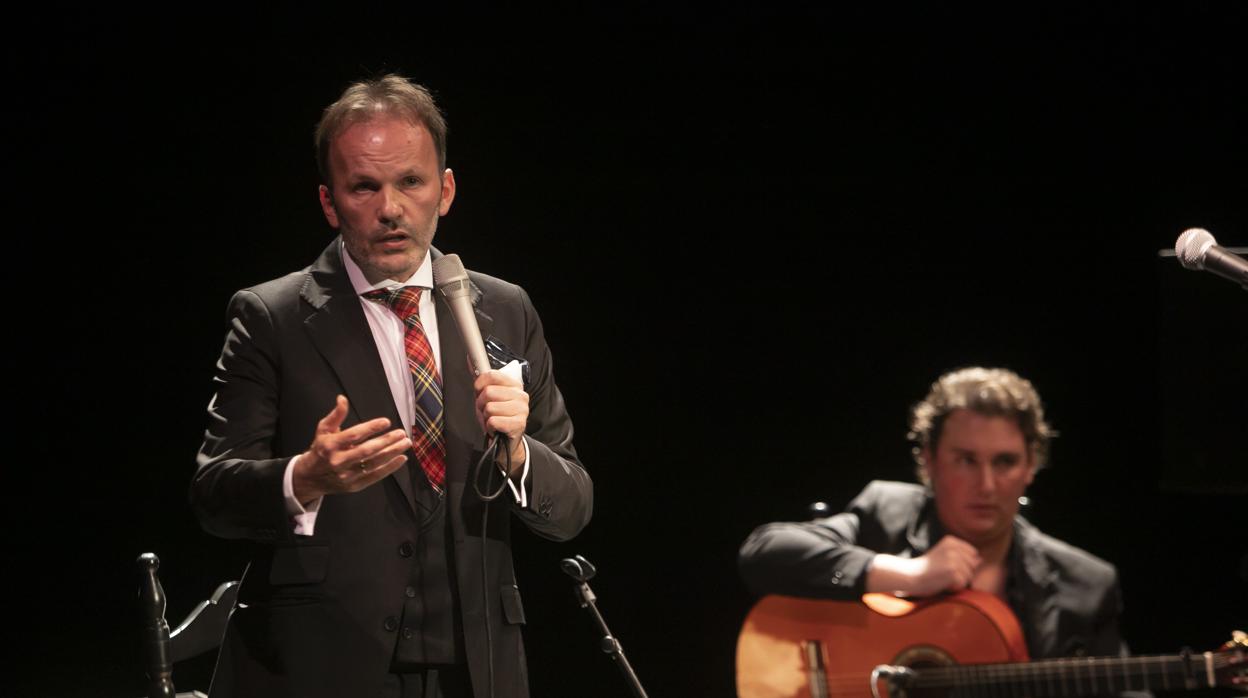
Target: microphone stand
581 570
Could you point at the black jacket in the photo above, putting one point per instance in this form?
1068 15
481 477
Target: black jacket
1067 600
316 614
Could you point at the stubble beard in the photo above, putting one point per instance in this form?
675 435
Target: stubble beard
398 267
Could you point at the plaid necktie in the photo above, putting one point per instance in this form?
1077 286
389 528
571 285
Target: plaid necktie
428 441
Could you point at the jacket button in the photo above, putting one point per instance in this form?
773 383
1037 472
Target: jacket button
405 550
391 624
408 634
410 592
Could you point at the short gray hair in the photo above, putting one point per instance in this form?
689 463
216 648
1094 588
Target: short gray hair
390 95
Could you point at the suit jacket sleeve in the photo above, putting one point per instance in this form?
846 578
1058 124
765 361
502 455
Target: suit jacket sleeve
562 495
237 488
825 558
1090 587
1106 639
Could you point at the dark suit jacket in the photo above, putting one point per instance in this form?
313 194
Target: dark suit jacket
1066 599
315 613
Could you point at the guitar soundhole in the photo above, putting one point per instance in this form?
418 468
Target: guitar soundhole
920 657
923 656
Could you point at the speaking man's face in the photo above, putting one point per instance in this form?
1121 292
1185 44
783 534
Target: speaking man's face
387 195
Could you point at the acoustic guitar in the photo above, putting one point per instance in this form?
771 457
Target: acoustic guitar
966 644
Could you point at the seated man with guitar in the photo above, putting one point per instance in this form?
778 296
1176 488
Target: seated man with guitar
979 437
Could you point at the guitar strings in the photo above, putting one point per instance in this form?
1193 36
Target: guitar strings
1065 676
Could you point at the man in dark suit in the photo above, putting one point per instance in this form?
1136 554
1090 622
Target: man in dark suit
980 436
345 431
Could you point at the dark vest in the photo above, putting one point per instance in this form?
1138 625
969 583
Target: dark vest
430 630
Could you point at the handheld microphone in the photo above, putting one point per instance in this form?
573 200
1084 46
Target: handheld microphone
1197 249
451 280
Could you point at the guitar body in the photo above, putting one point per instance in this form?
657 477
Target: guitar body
788 646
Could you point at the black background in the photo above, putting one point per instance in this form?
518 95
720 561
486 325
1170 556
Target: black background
755 234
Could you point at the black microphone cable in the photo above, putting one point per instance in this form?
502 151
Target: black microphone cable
488 457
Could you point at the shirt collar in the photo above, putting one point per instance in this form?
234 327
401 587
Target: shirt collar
422 277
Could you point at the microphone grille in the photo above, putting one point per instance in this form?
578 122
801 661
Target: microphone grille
448 269
1191 247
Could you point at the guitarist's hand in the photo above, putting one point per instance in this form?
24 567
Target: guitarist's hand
948 566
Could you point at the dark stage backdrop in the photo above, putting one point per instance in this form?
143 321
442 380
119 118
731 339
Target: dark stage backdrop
755 235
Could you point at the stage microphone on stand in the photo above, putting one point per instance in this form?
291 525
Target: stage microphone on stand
1197 249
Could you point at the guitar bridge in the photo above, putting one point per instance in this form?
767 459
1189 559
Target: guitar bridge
816 668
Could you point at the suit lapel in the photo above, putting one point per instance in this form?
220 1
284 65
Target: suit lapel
924 530
1036 580
341 334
